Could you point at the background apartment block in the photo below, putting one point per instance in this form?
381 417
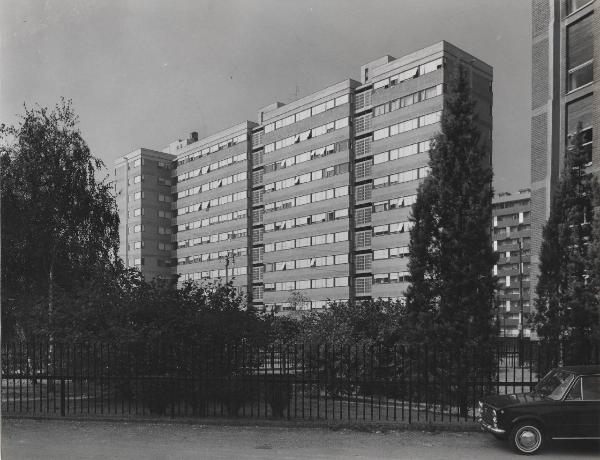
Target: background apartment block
211 207
512 243
142 181
314 200
565 48
303 195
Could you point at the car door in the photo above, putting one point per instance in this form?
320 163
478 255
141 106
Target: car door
590 410
580 409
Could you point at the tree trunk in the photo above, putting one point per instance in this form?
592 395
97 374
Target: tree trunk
50 321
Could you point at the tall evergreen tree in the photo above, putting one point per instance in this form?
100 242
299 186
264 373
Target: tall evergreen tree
450 299
567 304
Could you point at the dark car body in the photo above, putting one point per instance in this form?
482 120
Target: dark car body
571 411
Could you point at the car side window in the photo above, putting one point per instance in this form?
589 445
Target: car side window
591 387
575 393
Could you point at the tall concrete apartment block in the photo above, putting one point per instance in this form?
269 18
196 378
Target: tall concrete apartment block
142 181
211 226
512 225
565 53
301 198
319 191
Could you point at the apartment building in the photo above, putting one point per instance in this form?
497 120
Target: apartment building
397 113
512 242
211 207
319 190
142 181
565 53
301 197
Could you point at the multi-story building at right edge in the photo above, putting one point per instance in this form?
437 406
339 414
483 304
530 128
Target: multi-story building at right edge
565 47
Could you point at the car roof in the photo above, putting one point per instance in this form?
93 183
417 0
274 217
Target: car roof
583 370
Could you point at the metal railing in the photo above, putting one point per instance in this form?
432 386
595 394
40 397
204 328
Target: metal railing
301 381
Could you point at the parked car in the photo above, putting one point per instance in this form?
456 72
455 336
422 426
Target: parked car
565 404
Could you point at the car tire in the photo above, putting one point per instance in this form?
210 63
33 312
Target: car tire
527 438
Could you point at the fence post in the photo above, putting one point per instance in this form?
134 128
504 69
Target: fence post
62 396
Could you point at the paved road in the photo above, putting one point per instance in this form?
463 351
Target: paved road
30 439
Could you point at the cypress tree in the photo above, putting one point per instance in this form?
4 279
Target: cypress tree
567 290
450 299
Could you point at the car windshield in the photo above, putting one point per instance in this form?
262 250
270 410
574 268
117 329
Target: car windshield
555 383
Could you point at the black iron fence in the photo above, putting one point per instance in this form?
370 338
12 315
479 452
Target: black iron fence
301 381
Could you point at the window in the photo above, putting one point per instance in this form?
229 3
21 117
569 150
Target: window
398 252
341 259
363 192
257 254
303 284
430 119
362 146
381 158
580 53
590 388
408 125
363 239
257 292
381 230
380 254
363 261
363 99
257 196
380 110
574 5
341 214
257 177
341 236
363 216
320 239
381 133
303 242
381 84
257 235
362 123
363 169
341 281
379 182
363 285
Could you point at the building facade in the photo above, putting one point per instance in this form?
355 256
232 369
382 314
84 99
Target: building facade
565 59
312 202
512 242
143 184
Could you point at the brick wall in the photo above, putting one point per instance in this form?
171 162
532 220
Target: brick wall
539 74
539 147
540 17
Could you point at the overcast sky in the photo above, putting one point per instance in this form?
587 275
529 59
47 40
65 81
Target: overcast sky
143 73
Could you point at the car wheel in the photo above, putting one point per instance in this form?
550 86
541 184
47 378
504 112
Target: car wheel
526 438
